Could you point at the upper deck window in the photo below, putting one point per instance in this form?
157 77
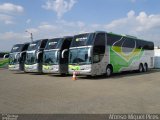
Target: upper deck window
82 40
33 45
53 44
17 48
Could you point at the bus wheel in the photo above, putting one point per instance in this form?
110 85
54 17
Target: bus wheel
145 67
140 68
108 71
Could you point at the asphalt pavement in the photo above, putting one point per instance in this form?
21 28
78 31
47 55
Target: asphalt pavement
122 93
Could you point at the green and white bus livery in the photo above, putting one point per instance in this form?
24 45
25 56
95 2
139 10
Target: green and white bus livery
101 53
34 56
17 57
55 57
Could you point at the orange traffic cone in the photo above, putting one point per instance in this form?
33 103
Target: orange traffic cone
74 76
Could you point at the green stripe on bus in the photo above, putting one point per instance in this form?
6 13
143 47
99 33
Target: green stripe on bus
118 61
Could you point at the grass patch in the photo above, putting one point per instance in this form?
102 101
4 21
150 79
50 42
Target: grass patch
3 62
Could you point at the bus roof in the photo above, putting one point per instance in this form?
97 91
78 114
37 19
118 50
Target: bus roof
128 36
39 40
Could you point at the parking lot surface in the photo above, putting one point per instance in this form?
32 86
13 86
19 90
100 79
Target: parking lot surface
122 93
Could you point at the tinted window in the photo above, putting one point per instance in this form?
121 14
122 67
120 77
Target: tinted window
82 40
34 45
128 42
99 47
111 39
117 40
100 39
121 41
25 47
145 45
17 48
66 43
53 44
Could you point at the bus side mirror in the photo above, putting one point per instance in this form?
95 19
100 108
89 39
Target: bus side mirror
22 53
38 54
89 52
6 56
65 50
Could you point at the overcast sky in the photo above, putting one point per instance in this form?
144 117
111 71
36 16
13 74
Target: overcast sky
56 18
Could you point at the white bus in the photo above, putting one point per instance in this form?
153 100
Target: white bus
55 57
17 57
34 56
101 53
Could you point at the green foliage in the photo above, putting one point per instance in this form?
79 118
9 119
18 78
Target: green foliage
3 62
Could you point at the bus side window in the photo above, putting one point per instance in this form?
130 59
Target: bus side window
99 47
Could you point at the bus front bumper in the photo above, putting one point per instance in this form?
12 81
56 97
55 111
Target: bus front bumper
50 69
31 68
15 67
80 69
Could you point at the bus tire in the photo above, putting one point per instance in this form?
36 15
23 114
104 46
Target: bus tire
140 69
109 71
145 67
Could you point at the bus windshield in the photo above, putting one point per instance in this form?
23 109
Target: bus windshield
14 58
17 48
30 58
53 44
51 57
34 45
80 47
79 56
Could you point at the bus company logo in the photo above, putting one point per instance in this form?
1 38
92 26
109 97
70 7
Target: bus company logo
31 45
9 117
15 48
81 39
52 43
47 67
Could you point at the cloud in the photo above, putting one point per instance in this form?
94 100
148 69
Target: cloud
6 19
8 11
10 8
11 35
142 25
59 6
8 39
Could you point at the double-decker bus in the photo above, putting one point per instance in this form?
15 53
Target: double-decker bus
55 57
17 57
101 53
34 56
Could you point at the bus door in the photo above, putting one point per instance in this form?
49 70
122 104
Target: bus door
40 53
23 56
99 65
64 55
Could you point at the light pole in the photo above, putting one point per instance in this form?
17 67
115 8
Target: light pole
30 35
